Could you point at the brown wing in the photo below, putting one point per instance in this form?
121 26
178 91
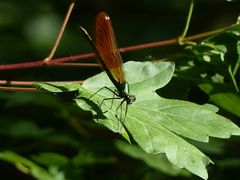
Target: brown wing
105 43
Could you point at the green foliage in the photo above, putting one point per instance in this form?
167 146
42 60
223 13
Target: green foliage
29 167
157 161
156 124
52 135
57 164
218 65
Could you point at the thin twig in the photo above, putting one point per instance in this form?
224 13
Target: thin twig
75 64
184 33
34 64
19 89
78 128
233 78
22 83
30 83
147 45
59 36
92 54
57 62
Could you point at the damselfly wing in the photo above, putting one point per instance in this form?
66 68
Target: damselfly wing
104 43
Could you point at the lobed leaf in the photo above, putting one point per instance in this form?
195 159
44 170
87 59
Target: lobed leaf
157 124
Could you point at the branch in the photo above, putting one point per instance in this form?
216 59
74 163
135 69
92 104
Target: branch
85 56
30 83
59 36
19 89
8 85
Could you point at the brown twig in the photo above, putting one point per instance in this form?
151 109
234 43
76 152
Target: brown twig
78 128
16 83
19 89
60 61
75 64
30 83
12 85
59 36
34 64
91 55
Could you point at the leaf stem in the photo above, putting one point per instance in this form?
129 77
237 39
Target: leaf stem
188 19
233 78
236 67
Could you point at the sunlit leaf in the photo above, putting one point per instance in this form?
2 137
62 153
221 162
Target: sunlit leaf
157 124
156 161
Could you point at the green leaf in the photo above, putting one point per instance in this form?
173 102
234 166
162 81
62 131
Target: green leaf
156 124
51 159
214 146
156 161
87 158
153 124
223 97
28 129
234 30
29 167
149 77
143 77
58 86
216 48
229 162
193 121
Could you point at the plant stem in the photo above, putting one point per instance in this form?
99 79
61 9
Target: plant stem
59 36
75 64
236 67
184 33
40 63
188 19
233 78
19 89
30 83
24 83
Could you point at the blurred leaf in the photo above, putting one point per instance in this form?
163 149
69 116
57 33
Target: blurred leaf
28 129
57 174
226 163
29 167
86 158
209 52
214 146
64 139
212 74
156 161
223 97
221 44
28 31
51 159
233 30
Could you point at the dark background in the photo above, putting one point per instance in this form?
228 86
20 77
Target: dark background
27 32
28 29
